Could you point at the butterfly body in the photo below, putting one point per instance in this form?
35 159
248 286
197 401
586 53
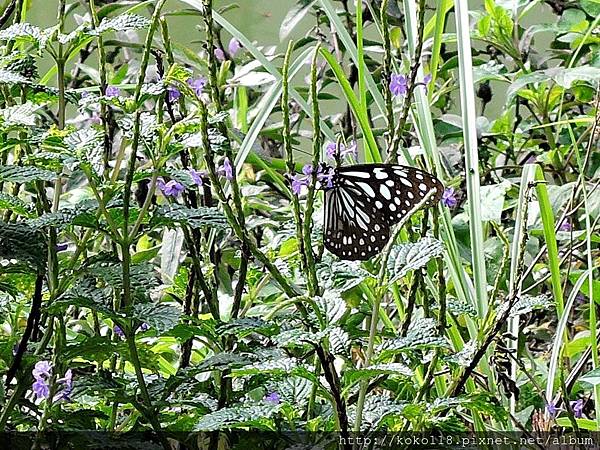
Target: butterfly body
364 201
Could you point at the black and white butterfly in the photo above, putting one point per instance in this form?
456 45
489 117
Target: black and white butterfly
363 202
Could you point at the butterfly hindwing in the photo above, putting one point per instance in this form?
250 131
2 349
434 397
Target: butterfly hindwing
366 200
351 230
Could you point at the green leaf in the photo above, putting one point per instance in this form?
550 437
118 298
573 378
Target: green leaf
161 317
237 416
592 377
19 115
410 256
124 22
25 32
9 77
394 369
528 303
21 242
339 275
280 366
332 306
85 294
293 18
14 204
195 218
422 334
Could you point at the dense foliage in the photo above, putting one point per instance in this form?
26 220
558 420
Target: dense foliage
162 265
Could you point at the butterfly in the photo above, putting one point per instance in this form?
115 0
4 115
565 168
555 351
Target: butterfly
364 201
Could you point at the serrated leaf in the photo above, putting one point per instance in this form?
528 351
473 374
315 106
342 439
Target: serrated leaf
21 242
236 416
422 334
124 22
19 115
25 174
27 32
82 214
376 409
339 275
339 341
464 357
87 145
278 366
457 308
86 294
294 390
410 256
244 326
528 303
9 77
222 361
160 316
332 306
14 204
195 218
394 369
296 338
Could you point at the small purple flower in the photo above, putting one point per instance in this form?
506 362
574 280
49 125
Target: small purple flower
273 397
219 54
298 182
332 149
118 331
551 410
144 327
307 169
62 247
171 189
399 84
579 298
67 381
41 388
95 119
226 169
234 47
173 94
197 176
577 407
449 198
197 85
42 369
565 226
427 78
112 91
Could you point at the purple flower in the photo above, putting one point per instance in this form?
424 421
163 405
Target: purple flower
95 119
170 189
41 388
398 84
62 247
42 369
67 381
449 198
307 169
219 54
298 182
331 150
173 94
112 91
197 85
273 397
226 169
144 327
577 407
234 47
579 298
118 331
551 409
197 176
427 78
565 226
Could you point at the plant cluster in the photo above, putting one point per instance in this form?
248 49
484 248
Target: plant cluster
161 256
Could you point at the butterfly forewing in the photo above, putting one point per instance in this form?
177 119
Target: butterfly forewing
366 200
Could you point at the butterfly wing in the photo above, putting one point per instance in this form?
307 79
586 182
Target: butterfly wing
352 232
366 200
391 190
